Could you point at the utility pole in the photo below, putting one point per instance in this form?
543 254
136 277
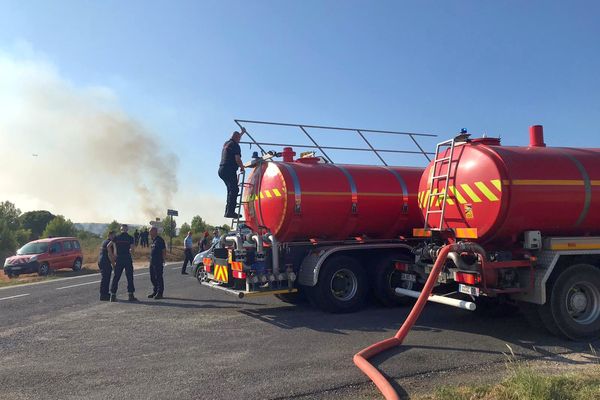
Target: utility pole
171 213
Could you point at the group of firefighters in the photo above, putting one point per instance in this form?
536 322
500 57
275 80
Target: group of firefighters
115 251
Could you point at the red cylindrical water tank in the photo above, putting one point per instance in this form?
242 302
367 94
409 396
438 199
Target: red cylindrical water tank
307 199
498 192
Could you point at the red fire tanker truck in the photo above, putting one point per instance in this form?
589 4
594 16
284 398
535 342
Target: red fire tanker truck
524 223
331 231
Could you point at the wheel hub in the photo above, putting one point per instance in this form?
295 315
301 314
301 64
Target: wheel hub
344 284
583 303
579 302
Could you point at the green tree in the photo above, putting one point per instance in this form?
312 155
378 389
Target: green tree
199 225
113 226
36 222
184 229
59 226
11 234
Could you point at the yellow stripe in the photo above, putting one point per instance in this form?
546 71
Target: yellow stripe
448 199
457 194
497 183
470 193
268 194
433 198
547 182
486 192
277 192
261 195
466 233
419 197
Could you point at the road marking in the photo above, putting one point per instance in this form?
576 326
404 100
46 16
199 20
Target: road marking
95 274
14 297
79 284
143 273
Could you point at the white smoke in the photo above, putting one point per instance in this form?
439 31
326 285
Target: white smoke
72 149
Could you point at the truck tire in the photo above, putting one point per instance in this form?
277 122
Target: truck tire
386 279
342 286
574 302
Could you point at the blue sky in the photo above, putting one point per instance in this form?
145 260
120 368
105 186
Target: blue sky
185 69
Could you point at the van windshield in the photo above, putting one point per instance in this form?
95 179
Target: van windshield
33 248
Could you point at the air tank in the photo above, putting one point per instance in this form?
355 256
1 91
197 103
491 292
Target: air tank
495 192
303 199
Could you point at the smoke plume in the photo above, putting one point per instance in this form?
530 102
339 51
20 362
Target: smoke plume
74 151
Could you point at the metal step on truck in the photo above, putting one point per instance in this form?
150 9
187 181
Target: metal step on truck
315 228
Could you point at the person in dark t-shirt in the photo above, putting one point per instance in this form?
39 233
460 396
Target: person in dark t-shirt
124 244
106 261
231 159
158 252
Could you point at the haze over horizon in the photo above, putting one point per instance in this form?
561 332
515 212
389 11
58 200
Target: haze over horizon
126 104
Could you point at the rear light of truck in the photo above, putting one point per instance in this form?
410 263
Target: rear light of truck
467 278
400 266
238 274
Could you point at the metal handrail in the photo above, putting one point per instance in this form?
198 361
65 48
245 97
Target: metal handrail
304 128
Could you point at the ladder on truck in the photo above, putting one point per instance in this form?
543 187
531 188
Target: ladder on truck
434 193
242 184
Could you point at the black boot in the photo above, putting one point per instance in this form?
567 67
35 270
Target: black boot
151 295
113 298
158 296
132 297
104 297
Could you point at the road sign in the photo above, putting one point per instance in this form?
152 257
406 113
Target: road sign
173 213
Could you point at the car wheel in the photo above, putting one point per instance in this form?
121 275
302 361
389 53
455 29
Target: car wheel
574 302
342 286
77 265
201 275
9 275
43 269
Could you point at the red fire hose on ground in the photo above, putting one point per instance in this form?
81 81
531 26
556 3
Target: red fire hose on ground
361 358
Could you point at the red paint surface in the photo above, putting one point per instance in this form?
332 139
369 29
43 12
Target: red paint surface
326 202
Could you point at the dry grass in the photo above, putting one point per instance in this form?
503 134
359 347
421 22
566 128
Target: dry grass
524 382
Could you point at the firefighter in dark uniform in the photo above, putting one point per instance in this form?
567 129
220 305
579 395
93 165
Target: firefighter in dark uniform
124 245
231 159
158 252
106 262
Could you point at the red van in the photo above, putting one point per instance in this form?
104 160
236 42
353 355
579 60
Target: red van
44 255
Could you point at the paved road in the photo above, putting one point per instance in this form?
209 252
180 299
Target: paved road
57 341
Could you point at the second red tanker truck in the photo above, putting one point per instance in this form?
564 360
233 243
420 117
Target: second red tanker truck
528 222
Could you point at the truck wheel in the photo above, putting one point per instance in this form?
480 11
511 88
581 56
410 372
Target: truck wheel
342 286
574 302
43 269
77 265
387 279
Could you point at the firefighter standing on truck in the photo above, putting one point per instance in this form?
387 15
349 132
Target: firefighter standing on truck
106 262
231 159
124 245
158 254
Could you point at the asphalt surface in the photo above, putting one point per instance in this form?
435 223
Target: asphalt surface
57 341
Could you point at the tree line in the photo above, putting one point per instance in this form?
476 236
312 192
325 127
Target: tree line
16 228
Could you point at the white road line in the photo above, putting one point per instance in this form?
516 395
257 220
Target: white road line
79 284
143 273
14 297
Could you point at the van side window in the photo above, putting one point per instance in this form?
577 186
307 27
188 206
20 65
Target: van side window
67 246
55 248
76 245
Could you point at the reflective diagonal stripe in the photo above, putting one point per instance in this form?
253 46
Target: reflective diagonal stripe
277 192
486 191
497 184
470 193
457 194
268 194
